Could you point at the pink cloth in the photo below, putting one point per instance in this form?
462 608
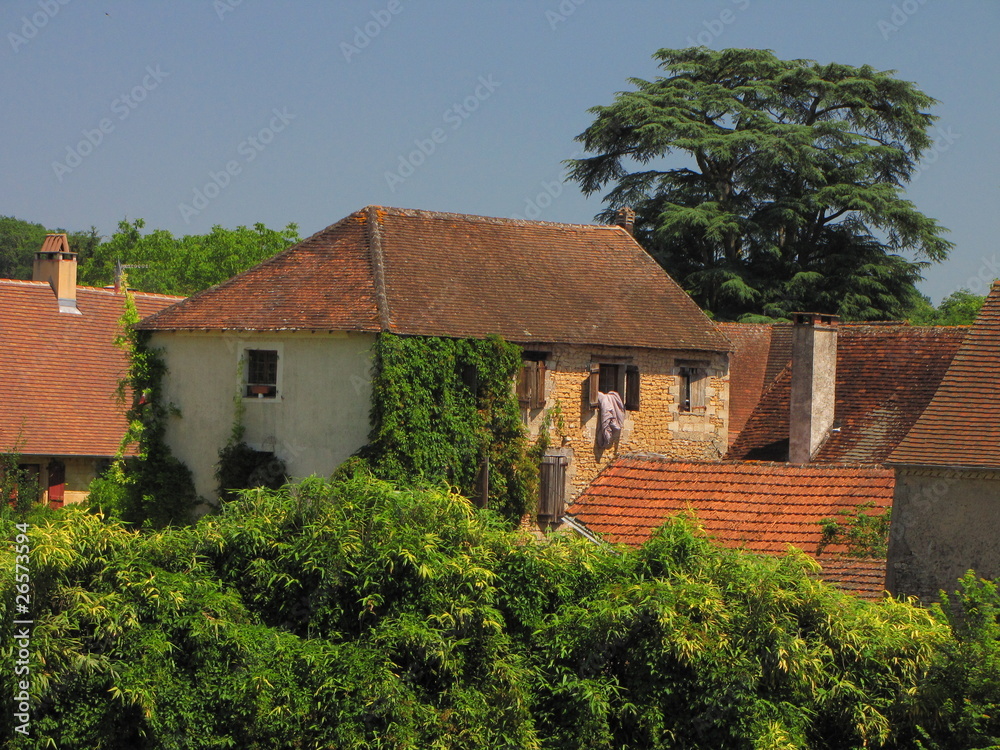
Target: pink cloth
611 411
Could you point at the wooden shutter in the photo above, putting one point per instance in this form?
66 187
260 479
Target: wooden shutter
632 388
552 486
537 400
595 382
698 378
57 483
531 385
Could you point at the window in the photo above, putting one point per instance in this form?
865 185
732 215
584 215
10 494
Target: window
621 378
693 377
531 382
262 373
552 486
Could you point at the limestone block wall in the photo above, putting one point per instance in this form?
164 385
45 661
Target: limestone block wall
944 523
658 426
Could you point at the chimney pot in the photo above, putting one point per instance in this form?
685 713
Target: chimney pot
625 218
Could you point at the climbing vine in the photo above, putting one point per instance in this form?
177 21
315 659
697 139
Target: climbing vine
443 410
865 533
153 486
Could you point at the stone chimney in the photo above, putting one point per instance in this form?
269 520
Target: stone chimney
625 218
814 384
55 263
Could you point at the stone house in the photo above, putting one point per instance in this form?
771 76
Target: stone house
59 369
947 497
815 443
292 340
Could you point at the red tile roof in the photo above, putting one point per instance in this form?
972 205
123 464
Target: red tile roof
961 425
886 376
59 371
759 354
758 507
864 577
762 507
440 274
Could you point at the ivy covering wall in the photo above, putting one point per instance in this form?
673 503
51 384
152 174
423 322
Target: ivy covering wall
441 407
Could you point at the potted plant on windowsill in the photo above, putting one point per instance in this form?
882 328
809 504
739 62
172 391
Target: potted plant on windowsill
260 390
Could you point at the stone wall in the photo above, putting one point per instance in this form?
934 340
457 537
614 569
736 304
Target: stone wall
658 426
944 523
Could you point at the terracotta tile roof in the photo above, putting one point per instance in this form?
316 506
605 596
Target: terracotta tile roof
58 371
886 376
864 577
760 507
961 425
430 273
759 354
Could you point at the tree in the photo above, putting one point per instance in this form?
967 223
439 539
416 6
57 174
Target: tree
168 265
20 240
794 197
959 308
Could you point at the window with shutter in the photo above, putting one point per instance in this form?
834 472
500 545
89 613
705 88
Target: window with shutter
693 379
623 379
552 486
531 381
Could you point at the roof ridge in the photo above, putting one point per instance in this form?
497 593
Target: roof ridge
374 232
478 218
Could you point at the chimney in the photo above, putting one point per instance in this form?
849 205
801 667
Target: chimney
55 263
814 384
625 218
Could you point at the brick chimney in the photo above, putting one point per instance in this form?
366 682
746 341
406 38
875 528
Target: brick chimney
814 384
625 218
55 263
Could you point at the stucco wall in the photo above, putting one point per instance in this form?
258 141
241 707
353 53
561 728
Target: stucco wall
657 427
944 523
319 418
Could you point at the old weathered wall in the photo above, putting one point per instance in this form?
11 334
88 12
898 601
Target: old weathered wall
657 427
319 418
944 523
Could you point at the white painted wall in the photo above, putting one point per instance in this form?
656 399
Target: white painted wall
319 418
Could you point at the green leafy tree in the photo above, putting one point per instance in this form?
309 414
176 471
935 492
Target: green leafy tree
20 240
791 196
959 308
166 264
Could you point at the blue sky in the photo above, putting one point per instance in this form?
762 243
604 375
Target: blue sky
194 113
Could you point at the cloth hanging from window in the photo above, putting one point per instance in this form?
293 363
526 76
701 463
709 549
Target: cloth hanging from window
611 412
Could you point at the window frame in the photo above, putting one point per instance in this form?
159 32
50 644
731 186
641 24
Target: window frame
246 366
531 380
692 379
626 378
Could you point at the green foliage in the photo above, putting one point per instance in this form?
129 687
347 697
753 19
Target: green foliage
20 240
241 467
964 683
865 533
793 195
355 614
959 308
153 487
184 265
18 487
440 407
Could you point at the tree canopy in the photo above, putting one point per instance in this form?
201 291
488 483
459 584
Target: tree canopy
20 240
182 265
792 198
360 614
959 308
